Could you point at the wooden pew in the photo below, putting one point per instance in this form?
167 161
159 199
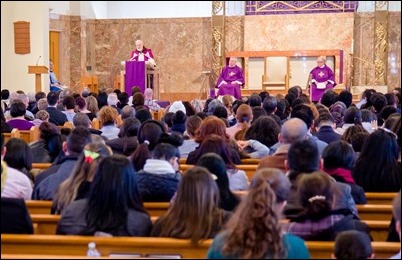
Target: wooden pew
46 224
31 135
38 206
41 166
15 133
324 250
243 161
248 168
382 198
378 229
154 209
375 212
78 245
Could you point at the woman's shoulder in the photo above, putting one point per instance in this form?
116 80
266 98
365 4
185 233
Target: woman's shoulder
296 247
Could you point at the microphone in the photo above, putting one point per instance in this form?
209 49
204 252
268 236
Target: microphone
38 60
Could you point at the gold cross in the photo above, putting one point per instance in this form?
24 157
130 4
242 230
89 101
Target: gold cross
231 73
321 74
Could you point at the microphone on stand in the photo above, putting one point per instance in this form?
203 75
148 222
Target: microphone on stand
38 60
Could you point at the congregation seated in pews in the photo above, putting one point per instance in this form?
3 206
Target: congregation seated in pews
189 210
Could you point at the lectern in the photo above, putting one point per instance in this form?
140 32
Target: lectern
38 71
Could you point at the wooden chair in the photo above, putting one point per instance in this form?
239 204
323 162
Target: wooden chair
15 133
382 198
31 135
375 212
96 123
78 245
158 115
119 121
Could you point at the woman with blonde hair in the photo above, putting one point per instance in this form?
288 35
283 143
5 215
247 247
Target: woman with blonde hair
92 105
254 230
195 212
77 185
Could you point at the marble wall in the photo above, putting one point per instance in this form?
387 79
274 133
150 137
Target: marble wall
301 32
181 46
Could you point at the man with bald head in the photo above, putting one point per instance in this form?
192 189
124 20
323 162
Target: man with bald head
292 130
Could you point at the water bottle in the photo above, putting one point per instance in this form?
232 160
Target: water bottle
92 250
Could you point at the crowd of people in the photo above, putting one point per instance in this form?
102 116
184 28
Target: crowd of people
316 161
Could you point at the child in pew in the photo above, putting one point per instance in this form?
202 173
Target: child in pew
114 205
353 244
254 231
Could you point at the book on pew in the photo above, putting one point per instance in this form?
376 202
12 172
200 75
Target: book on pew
125 255
163 256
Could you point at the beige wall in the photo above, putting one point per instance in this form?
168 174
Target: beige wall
14 67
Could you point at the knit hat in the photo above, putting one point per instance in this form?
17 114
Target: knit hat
176 106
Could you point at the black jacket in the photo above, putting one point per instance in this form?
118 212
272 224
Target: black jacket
15 218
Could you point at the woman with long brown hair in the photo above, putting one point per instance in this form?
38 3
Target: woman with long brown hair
195 212
254 231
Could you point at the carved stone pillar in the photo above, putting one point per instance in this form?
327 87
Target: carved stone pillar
381 42
218 39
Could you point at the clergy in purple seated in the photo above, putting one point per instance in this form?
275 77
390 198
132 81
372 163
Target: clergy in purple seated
230 80
322 78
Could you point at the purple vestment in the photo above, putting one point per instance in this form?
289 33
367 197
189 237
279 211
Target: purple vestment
234 78
319 75
143 55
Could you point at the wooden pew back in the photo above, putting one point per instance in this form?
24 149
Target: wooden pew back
382 198
248 168
154 209
78 245
375 212
31 135
15 133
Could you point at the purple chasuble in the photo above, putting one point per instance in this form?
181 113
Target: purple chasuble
319 75
234 79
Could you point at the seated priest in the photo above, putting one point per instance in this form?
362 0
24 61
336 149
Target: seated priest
230 80
322 78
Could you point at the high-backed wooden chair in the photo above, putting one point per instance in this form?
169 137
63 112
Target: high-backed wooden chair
119 121
31 135
15 133
95 123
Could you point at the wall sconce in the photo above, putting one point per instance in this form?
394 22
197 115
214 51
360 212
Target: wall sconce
219 49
